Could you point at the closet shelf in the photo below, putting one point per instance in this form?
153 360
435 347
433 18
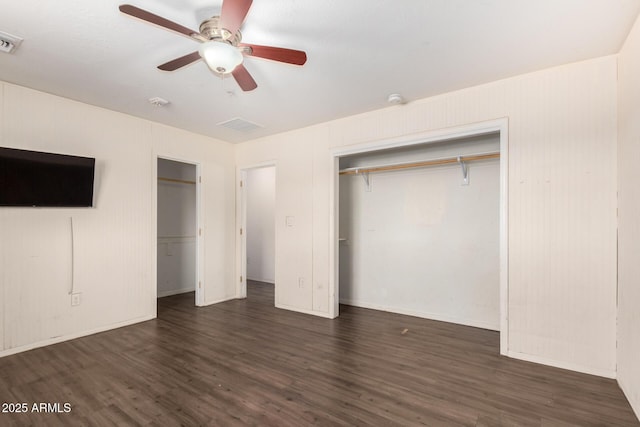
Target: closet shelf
179 181
432 162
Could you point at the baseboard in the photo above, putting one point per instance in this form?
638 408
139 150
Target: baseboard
636 410
175 292
56 340
423 315
563 365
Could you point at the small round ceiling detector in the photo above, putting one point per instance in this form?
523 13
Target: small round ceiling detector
395 98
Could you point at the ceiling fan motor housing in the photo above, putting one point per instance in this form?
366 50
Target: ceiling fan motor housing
211 30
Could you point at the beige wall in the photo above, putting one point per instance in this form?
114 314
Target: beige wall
114 263
562 172
629 218
2 234
562 204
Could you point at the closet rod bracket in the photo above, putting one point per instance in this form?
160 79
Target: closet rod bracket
365 178
465 171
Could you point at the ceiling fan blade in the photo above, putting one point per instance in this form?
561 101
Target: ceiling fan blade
233 13
136 12
290 56
244 79
180 62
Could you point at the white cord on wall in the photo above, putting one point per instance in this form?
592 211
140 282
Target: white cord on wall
72 256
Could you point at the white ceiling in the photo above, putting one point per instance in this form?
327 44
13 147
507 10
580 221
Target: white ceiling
359 52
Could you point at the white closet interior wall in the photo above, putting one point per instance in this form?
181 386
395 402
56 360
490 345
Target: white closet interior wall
420 242
261 232
176 228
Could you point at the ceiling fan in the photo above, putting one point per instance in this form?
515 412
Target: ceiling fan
221 46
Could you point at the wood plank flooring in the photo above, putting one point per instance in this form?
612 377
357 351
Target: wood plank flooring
244 363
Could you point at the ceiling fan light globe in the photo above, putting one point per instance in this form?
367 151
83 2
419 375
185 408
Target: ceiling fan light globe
221 57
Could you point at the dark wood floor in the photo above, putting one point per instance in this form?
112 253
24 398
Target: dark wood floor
246 363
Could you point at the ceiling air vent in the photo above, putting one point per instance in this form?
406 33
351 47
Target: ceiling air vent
240 125
8 42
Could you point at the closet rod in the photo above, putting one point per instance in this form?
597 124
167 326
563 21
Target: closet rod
434 162
181 181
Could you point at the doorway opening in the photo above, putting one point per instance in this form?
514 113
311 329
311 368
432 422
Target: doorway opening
177 232
413 206
258 245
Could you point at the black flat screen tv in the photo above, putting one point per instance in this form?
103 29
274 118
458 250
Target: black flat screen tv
33 178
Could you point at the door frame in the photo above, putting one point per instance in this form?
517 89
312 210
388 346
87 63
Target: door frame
241 221
199 297
500 126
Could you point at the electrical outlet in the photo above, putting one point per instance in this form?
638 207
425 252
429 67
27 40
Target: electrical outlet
300 282
75 299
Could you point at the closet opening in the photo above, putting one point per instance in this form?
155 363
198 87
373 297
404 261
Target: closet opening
177 232
420 227
258 196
